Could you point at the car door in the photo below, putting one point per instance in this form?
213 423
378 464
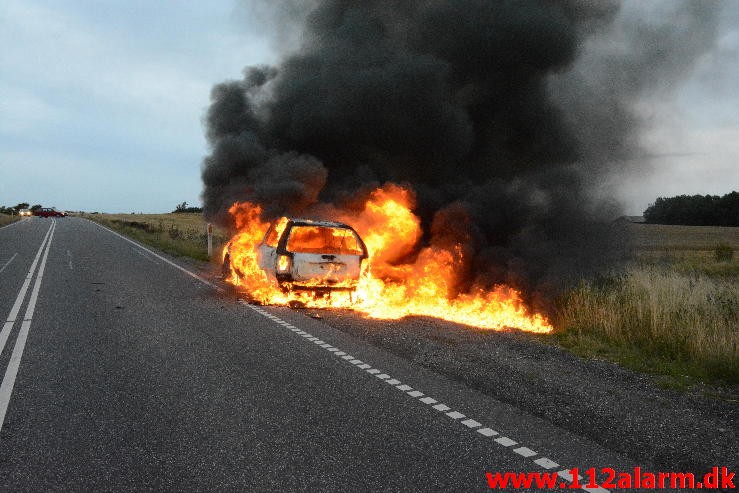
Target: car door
267 251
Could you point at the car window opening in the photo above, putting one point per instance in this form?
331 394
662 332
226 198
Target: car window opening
272 237
323 240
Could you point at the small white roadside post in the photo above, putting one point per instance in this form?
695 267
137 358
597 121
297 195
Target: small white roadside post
210 240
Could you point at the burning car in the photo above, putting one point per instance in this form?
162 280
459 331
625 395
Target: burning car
303 263
308 255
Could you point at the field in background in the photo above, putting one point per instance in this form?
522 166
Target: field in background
5 219
660 238
674 311
686 248
182 234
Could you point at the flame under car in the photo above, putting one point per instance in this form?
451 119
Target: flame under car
308 255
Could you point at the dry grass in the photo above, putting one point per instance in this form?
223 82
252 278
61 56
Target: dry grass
674 312
182 234
658 319
5 219
184 221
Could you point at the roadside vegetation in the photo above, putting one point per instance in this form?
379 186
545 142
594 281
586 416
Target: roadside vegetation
6 219
180 233
673 312
9 214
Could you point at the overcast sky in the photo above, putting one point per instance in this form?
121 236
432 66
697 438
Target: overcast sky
101 105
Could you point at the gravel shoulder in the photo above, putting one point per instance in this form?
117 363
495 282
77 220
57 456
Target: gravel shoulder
624 411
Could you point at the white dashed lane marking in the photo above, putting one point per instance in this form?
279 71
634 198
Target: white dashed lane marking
506 442
487 432
526 452
546 463
421 397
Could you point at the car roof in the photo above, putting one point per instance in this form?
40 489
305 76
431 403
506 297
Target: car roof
313 222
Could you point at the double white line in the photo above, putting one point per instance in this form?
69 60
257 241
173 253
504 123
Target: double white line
6 388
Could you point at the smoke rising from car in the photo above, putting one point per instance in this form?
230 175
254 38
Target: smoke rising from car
504 118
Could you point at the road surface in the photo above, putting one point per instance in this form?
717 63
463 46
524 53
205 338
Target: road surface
126 370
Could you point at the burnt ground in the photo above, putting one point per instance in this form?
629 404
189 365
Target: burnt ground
625 411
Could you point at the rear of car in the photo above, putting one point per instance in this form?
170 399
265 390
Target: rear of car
307 255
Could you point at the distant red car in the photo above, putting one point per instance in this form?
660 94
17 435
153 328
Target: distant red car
49 212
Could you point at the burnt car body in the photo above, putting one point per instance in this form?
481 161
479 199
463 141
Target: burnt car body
309 255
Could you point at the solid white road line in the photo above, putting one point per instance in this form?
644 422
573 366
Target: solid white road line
8 326
139 252
6 388
191 274
8 262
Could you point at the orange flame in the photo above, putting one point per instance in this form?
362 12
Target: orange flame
398 280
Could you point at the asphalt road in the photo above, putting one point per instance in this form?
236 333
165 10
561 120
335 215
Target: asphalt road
122 372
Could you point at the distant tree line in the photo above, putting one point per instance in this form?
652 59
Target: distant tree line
16 208
695 210
184 208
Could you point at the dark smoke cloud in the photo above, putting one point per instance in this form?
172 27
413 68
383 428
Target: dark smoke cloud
243 167
502 115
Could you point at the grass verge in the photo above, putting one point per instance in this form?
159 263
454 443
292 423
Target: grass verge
180 234
659 319
5 219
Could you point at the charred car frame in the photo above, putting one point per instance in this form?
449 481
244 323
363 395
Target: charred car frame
310 255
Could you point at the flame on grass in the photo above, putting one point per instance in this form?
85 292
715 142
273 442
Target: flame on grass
399 278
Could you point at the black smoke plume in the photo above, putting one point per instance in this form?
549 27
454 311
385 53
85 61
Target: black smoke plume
504 117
